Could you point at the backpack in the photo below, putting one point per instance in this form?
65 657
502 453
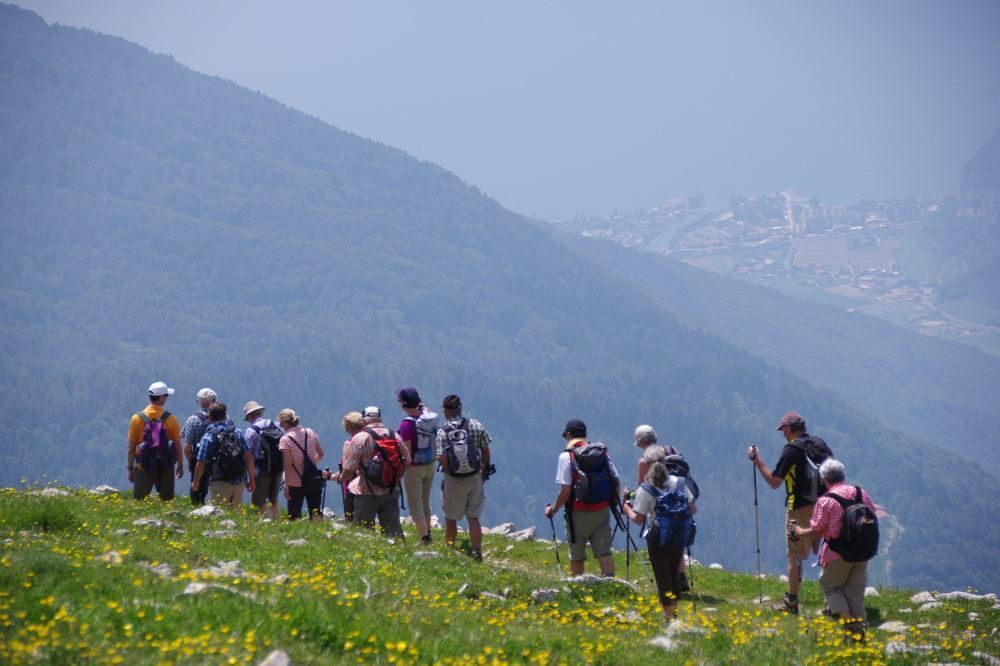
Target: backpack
427 426
385 468
671 523
594 483
677 466
269 461
310 476
816 452
155 452
858 540
464 456
228 463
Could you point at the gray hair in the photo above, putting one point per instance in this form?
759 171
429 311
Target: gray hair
832 471
654 453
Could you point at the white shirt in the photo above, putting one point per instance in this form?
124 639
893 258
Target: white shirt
645 501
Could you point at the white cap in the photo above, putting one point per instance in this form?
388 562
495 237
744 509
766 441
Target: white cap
644 433
156 389
372 412
206 394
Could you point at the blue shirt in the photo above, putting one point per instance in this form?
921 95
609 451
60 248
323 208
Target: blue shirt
206 446
194 428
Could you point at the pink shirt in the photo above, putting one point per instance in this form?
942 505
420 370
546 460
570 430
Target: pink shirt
358 452
828 516
292 452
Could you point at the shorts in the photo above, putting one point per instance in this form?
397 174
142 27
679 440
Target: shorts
221 492
163 481
417 482
463 496
592 526
265 489
801 547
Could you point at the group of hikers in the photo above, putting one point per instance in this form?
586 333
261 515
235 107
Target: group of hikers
379 467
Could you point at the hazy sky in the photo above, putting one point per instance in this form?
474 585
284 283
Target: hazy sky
555 108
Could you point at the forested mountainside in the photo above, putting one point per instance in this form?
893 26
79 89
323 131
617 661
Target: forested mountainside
162 224
940 392
980 274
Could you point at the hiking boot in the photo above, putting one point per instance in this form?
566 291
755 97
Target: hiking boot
787 605
684 585
477 555
425 539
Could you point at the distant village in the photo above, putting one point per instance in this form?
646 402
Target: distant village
847 250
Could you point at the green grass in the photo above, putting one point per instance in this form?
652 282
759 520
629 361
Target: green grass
351 596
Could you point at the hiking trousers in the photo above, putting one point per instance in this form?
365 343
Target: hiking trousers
383 507
417 483
223 492
665 562
295 496
843 586
145 481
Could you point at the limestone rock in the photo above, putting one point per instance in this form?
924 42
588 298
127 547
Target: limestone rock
987 658
406 520
523 535
871 592
435 523
120 532
296 542
426 553
895 627
277 658
665 642
783 578
922 597
905 610
716 566
279 579
490 595
502 529
111 557
678 627
543 595
53 492
228 524
104 490
973 617
328 513
148 522
206 511
966 596
930 605
163 570
218 534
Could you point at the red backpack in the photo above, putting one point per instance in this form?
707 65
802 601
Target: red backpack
385 468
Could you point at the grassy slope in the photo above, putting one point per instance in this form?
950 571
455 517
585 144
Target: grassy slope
64 599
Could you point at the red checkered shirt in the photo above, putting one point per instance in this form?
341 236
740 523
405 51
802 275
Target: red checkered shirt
828 517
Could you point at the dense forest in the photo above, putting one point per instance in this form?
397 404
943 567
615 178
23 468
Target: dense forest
159 224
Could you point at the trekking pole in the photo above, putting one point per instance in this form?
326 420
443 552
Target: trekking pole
322 501
628 559
690 574
555 544
628 536
756 524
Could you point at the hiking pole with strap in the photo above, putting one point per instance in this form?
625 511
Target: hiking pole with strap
756 524
555 545
628 558
689 570
322 501
628 536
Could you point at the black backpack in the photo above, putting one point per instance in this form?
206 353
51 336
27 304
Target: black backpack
858 540
595 483
816 452
311 477
228 463
270 456
676 464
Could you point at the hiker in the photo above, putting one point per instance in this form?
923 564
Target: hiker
594 477
153 447
645 438
300 453
795 469
262 437
223 460
648 510
418 430
194 429
463 450
353 423
843 581
374 461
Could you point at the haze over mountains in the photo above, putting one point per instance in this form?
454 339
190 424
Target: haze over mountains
161 224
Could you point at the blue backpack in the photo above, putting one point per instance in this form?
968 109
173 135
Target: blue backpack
425 450
671 523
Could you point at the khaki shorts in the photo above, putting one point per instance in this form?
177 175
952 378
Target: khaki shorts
223 492
417 483
592 526
801 548
463 496
843 585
